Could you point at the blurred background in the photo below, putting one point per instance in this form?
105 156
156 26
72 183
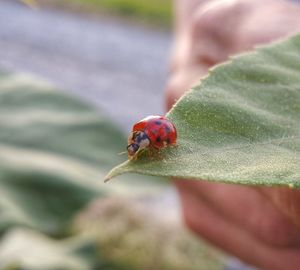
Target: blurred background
74 77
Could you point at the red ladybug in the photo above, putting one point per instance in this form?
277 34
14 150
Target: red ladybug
153 131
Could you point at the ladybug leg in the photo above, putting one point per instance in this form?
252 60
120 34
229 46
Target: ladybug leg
135 156
153 153
150 153
173 145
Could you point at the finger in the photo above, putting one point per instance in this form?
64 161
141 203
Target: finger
286 200
279 19
181 81
205 221
247 207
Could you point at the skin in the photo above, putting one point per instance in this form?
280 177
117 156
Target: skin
259 225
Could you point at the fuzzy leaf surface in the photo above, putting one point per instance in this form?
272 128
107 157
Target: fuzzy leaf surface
240 125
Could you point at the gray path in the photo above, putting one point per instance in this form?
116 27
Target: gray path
120 68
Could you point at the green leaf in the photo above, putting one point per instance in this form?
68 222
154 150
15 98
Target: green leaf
240 125
54 150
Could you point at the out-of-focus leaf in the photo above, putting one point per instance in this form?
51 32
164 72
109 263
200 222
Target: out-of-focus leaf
240 125
54 150
143 239
24 249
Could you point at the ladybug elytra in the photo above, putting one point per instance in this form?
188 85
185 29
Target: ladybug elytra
153 131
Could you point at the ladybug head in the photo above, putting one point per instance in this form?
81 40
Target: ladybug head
137 141
132 149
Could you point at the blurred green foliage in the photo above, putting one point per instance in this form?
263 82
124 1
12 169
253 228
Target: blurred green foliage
155 12
55 211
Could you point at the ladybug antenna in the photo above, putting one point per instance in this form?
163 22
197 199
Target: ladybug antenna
122 153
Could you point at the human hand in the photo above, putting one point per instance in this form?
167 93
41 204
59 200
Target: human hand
261 226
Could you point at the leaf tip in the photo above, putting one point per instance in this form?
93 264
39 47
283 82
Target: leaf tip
110 176
120 169
106 178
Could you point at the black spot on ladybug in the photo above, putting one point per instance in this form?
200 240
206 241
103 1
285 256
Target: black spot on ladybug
158 139
168 140
158 123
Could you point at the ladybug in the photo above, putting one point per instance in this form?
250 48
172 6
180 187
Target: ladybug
154 131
